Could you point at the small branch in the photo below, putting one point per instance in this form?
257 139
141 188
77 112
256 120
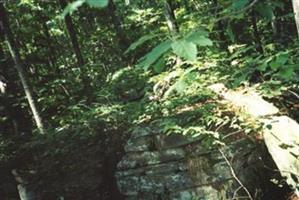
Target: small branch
294 93
233 133
235 176
236 192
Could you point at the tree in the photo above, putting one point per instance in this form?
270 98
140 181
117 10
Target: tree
4 24
76 47
296 12
73 35
170 18
52 55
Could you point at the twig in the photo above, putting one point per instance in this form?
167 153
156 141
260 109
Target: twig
294 93
233 133
236 192
234 175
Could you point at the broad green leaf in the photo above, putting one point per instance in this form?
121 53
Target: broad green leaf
155 53
239 4
71 7
97 3
140 41
185 49
197 32
200 40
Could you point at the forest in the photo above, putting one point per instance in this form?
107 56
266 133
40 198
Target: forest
149 100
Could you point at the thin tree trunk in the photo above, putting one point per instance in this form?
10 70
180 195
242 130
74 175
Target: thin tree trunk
296 12
74 40
170 18
4 24
73 35
256 34
1 53
220 26
49 42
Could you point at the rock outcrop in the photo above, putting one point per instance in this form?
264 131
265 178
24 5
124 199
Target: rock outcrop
158 166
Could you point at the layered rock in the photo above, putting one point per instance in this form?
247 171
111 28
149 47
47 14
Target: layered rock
159 166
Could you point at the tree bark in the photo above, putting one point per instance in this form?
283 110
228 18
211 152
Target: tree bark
1 53
170 18
4 24
256 34
74 40
220 26
73 35
49 42
296 12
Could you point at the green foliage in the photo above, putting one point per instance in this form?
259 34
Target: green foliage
71 7
128 84
239 4
155 54
266 11
89 110
97 3
185 49
141 41
200 40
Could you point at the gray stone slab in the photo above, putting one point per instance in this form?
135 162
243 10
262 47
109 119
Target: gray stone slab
281 135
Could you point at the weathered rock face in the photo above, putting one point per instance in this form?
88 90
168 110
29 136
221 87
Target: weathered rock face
158 166
280 133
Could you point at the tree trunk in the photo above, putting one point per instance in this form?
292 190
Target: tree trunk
49 42
1 53
220 26
73 35
170 18
4 24
74 40
118 25
256 34
296 12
